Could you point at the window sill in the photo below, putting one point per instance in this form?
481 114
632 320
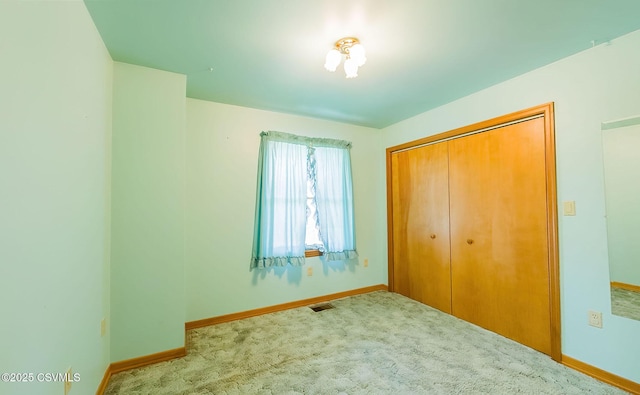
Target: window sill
312 253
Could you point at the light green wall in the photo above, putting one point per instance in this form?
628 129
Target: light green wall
597 85
55 124
622 186
222 163
147 254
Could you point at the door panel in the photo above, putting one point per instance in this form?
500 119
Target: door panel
499 251
421 225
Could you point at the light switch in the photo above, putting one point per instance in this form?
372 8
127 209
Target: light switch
569 207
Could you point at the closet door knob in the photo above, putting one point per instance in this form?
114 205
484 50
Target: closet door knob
469 241
433 235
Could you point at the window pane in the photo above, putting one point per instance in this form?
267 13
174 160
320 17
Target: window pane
312 238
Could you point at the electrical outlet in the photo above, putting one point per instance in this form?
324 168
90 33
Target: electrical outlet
67 381
366 262
103 327
309 271
595 318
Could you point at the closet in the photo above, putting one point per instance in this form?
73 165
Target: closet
472 225
421 225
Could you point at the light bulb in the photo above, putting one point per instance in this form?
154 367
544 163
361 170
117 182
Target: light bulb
351 68
357 53
332 60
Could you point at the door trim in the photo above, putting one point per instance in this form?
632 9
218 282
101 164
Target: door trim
547 112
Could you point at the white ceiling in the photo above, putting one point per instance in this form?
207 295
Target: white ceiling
269 54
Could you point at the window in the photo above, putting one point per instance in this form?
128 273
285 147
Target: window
312 241
304 200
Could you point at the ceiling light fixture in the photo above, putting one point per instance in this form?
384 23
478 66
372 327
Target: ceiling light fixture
354 52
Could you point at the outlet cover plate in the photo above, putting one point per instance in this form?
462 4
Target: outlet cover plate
595 318
67 381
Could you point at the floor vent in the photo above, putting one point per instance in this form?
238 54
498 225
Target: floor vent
320 307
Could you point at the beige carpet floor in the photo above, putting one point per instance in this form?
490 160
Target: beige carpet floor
377 343
625 303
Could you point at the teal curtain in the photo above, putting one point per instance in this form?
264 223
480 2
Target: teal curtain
280 222
334 200
285 163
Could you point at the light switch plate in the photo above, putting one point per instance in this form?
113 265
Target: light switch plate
569 207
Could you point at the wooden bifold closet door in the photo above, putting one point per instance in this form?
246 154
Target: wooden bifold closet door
421 225
472 227
499 270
